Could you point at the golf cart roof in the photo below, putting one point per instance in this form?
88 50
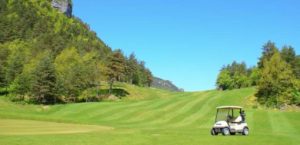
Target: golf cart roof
229 107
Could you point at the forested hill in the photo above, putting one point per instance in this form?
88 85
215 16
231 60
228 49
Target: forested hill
47 55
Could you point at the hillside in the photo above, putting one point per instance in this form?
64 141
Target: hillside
176 118
165 84
48 56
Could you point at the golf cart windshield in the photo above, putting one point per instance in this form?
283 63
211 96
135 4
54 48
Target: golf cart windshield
227 114
222 114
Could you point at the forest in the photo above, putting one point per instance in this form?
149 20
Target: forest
47 57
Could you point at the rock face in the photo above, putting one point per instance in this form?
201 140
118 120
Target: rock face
165 84
65 6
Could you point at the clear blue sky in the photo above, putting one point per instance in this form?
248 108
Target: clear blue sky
188 41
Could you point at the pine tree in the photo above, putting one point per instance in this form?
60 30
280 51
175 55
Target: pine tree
131 68
3 63
43 87
268 51
116 68
288 54
149 77
297 67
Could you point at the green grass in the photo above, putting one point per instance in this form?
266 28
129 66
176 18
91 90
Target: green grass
145 117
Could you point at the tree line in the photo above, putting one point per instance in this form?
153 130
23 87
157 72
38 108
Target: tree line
277 76
46 57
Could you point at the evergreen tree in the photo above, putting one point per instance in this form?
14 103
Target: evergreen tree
268 51
149 77
297 67
16 60
116 68
142 74
43 87
288 54
131 68
3 63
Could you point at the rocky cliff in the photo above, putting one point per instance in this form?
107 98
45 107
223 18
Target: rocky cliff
65 6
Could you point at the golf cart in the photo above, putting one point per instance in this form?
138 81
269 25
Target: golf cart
229 121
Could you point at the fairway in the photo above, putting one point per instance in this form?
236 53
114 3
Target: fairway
177 118
29 127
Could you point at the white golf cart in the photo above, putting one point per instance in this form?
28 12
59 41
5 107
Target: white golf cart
229 121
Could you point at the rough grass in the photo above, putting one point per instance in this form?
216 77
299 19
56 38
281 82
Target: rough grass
167 118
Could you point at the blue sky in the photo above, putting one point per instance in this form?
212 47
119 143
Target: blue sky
188 41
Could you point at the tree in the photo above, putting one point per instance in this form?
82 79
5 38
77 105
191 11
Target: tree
142 74
288 54
16 60
29 28
297 67
234 76
149 77
4 52
131 68
277 82
268 51
254 76
116 68
237 68
224 80
43 87
74 72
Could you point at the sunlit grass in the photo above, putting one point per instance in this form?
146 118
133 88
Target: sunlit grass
167 118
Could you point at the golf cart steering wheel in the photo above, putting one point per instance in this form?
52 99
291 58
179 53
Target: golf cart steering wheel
229 117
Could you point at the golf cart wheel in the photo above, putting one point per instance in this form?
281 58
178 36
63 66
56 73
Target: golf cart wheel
213 132
245 131
225 131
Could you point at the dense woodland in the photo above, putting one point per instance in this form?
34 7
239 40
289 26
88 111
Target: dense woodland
47 57
277 76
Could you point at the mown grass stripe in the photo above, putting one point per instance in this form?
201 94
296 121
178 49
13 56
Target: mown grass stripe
199 113
181 108
180 113
134 111
150 117
138 116
280 124
98 115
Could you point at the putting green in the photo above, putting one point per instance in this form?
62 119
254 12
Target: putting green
29 127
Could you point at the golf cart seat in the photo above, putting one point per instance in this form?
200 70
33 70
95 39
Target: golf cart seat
237 119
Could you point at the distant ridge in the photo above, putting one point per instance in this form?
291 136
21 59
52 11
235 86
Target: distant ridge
165 84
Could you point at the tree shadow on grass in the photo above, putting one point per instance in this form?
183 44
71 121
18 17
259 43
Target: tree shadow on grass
3 92
118 92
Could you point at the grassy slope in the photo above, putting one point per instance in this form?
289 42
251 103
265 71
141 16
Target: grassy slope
168 118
